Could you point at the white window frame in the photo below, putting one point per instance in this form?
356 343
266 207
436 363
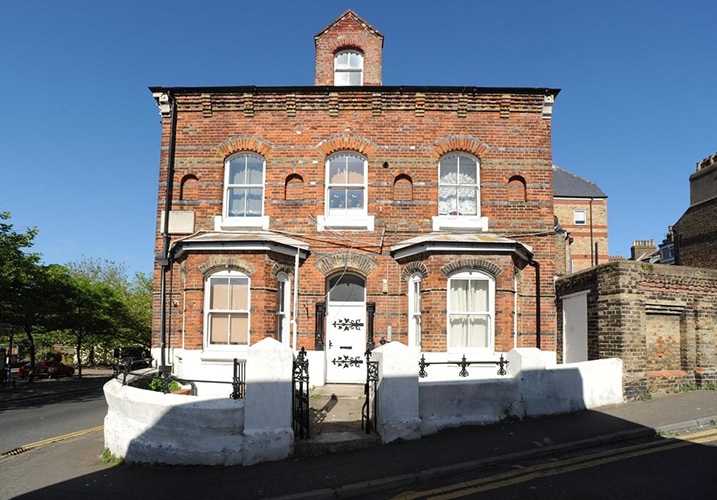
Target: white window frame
345 218
283 297
414 310
348 70
489 313
227 221
208 311
580 217
454 219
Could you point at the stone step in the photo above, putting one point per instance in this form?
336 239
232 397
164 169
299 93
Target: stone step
333 442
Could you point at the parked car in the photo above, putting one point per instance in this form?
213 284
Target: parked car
46 368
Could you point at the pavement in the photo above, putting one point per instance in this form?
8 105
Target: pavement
72 468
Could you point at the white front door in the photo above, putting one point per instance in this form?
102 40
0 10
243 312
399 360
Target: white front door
346 330
346 342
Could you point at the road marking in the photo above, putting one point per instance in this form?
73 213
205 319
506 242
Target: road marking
46 442
526 474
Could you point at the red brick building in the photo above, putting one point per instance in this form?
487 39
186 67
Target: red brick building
333 215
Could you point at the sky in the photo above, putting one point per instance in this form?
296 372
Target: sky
80 132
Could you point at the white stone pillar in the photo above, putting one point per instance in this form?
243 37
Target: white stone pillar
398 416
268 433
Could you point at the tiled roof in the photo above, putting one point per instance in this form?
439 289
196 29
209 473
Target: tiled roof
567 184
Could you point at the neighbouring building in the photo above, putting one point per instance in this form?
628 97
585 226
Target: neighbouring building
581 216
694 235
345 214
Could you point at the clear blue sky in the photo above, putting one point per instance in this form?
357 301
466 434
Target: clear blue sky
79 130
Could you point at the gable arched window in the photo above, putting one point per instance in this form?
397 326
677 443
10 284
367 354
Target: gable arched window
227 303
471 309
348 67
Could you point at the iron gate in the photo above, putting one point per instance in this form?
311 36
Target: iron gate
300 396
369 411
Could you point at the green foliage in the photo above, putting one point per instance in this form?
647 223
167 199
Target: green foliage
686 388
711 386
108 457
155 383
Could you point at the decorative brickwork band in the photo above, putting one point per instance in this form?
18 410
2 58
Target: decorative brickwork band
346 261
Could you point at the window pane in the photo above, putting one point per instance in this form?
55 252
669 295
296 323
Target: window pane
478 296
355 60
254 202
459 330
236 202
255 170
477 331
219 328
237 170
240 294
219 293
447 201
239 329
355 167
459 295
337 170
342 60
468 201
469 170
354 78
341 79
337 198
354 199
448 170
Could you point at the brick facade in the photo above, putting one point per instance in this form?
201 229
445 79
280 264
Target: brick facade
660 320
402 132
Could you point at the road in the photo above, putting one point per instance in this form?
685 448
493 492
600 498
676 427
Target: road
666 467
36 418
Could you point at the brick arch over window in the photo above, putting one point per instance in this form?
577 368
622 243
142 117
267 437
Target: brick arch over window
471 264
244 143
346 261
413 268
455 143
517 190
221 263
294 187
347 142
188 187
282 268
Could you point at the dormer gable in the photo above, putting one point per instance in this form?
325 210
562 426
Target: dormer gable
348 52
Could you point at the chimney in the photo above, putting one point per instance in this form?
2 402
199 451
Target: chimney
642 249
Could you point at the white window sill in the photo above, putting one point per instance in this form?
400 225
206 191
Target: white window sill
447 222
361 222
222 224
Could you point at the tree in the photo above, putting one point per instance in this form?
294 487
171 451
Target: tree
21 278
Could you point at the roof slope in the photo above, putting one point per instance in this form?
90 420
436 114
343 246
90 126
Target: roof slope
567 184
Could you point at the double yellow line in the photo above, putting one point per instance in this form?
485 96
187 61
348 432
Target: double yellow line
526 474
52 440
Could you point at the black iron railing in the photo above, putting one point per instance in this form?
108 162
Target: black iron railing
164 380
463 363
369 411
301 420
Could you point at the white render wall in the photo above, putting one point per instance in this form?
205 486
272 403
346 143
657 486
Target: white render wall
145 426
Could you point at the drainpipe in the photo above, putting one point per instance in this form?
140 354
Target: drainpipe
165 258
295 318
592 254
536 265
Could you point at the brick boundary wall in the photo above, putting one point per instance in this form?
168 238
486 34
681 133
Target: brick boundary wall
660 320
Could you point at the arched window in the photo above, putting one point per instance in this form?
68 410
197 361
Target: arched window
346 185
347 288
414 310
348 68
458 185
244 186
227 303
471 306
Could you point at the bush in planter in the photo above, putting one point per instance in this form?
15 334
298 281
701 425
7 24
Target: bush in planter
155 384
